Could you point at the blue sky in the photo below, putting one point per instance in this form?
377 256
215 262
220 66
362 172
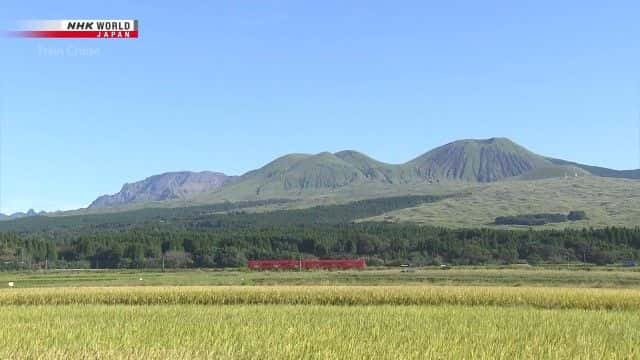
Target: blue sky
228 86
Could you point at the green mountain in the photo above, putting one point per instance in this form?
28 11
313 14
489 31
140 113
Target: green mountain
375 170
477 160
293 174
348 172
325 170
350 175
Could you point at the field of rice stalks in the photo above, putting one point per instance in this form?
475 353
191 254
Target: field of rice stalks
319 322
315 332
557 276
545 298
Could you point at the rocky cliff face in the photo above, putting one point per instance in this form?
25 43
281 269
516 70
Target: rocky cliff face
174 185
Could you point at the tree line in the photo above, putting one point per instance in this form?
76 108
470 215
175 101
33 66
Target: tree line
204 237
379 243
540 219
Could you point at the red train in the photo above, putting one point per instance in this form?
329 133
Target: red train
342 264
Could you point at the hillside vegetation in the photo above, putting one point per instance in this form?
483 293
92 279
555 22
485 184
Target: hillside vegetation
477 160
460 162
349 175
228 234
230 240
607 202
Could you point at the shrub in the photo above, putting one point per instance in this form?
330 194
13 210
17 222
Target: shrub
577 215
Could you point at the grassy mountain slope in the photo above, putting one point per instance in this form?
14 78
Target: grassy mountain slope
376 170
553 171
323 170
606 201
223 215
305 176
600 171
292 176
477 160
349 175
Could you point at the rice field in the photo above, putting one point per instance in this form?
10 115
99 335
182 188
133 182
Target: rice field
315 332
543 298
319 322
556 276
381 314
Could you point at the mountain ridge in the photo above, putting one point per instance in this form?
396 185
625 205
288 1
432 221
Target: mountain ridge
19 215
301 175
165 186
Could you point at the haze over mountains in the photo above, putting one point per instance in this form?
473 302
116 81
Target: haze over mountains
298 175
19 215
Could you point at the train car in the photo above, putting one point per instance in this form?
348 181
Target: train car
288 264
274 264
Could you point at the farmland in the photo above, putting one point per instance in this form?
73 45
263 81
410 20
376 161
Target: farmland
319 322
291 332
556 276
543 298
427 313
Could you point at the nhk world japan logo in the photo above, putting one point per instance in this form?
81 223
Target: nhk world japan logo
79 29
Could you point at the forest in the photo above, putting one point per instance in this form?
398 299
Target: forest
205 238
540 219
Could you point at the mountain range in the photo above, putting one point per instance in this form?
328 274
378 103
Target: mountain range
304 175
19 215
168 186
